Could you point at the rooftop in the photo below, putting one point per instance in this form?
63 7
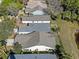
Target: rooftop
35 3
33 56
36 38
38 12
38 27
35 8
36 18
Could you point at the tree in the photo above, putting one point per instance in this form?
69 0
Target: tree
74 16
17 48
67 15
10 7
3 10
60 52
71 7
78 18
6 28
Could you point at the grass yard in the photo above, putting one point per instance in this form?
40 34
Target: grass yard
13 3
2 53
67 36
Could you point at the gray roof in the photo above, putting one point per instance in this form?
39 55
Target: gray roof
29 10
36 3
38 27
36 18
32 56
36 38
34 9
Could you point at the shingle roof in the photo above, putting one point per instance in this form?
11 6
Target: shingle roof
33 56
36 18
36 38
36 3
38 27
38 12
33 9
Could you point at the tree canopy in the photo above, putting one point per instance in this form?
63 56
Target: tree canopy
71 9
17 47
6 28
8 5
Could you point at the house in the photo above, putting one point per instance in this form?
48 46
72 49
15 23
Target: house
32 23
34 33
34 5
30 11
32 56
35 19
36 40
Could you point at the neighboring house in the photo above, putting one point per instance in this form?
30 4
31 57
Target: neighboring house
29 10
36 19
36 3
32 56
38 12
36 40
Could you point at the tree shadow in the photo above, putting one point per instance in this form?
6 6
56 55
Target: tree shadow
77 39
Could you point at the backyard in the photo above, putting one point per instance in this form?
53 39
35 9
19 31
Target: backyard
66 36
66 32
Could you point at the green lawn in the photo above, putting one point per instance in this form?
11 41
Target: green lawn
67 36
3 54
9 4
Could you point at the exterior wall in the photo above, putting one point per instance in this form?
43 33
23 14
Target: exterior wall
23 32
35 21
38 48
